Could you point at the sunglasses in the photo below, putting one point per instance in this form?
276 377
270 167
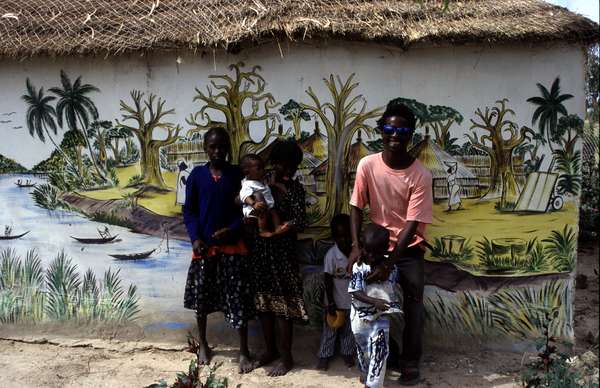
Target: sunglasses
390 130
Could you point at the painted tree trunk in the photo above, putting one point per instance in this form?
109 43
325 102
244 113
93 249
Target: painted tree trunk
79 157
502 178
115 150
150 165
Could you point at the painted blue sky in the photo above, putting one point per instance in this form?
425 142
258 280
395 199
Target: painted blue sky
588 8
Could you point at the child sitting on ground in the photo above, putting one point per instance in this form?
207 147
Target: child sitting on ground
257 198
372 303
337 298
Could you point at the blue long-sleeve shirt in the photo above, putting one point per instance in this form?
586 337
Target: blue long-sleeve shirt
210 204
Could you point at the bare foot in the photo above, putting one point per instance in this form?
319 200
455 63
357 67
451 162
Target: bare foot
204 355
246 364
323 364
267 358
349 361
281 368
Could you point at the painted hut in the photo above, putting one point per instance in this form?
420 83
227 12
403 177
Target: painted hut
438 162
358 150
163 69
315 143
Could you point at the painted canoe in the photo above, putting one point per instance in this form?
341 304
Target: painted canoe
133 256
14 237
101 240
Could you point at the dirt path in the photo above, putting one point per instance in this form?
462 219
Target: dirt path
96 363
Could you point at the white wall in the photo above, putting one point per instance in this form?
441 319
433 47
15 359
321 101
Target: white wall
462 77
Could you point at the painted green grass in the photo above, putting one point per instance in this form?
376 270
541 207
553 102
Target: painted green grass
516 312
28 293
554 254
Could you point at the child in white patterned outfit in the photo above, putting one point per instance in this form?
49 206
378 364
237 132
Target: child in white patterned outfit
257 198
337 297
372 303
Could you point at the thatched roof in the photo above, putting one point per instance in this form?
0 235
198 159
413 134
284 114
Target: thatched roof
439 161
60 27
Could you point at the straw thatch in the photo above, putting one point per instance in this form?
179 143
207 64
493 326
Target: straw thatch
59 27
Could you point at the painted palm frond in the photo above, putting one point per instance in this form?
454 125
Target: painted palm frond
314 292
11 270
114 304
62 281
88 297
40 114
549 106
561 246
518 312
522 312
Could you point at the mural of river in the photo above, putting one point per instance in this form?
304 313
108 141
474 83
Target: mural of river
160 279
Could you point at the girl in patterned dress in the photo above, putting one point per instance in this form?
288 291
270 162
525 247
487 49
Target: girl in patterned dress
277 281
217 278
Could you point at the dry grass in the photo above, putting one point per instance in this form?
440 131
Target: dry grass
61 27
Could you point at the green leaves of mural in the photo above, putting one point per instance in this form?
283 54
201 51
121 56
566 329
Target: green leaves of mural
550 105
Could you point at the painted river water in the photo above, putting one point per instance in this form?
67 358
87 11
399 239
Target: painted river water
160 279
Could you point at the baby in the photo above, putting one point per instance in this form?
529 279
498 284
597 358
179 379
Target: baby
257 198
372 303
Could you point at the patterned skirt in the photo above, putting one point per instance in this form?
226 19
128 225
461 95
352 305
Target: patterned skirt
221 283
277 281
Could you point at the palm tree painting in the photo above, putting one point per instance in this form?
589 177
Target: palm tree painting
77 109
549 106
40 115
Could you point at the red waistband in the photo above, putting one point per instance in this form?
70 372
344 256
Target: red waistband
229 249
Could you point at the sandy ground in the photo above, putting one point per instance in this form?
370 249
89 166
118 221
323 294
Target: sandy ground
57 362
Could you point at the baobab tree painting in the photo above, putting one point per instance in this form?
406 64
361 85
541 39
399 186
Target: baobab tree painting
148 116
500 147
231 97
341 118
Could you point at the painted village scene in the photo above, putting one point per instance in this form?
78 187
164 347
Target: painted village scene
113 189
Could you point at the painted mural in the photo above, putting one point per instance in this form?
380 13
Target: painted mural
505 191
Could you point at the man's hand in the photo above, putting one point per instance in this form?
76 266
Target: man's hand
332 309
199 247
222 234
381 273
353 258
381 304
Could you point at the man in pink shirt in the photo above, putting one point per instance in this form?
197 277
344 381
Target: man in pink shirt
397 189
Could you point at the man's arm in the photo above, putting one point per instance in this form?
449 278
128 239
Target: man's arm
406 237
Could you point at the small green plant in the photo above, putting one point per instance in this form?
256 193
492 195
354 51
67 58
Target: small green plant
537 259
562 249
130 200
551 368
466 252
194 378
113 178
135 180
111 218
46 196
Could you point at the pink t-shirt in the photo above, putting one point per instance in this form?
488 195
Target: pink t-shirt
394 197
